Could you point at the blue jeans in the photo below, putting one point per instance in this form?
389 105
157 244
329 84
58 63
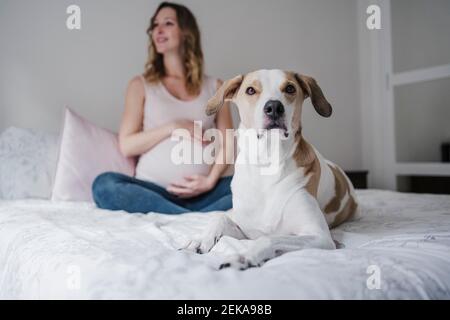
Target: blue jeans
115 191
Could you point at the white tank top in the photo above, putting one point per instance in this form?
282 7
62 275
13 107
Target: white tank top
160 108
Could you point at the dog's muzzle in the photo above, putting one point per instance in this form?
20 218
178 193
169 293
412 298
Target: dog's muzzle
274 116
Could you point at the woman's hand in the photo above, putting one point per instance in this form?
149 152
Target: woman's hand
192 186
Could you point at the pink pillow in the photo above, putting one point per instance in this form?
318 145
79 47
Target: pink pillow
85 152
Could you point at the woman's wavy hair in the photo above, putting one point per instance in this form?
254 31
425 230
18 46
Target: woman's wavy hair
191 50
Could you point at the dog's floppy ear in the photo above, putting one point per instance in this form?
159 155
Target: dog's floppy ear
312 89
226 91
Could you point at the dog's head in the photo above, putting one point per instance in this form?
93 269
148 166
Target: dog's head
271 99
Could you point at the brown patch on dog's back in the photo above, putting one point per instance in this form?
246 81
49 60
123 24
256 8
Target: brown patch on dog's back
346 213
341 189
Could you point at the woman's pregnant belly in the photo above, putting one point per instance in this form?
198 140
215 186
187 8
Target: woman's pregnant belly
161 164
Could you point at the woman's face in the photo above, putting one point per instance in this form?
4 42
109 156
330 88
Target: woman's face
166 33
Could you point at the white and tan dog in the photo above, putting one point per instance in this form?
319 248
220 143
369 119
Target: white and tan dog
293 208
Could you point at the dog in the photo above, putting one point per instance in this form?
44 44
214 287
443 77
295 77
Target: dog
295 207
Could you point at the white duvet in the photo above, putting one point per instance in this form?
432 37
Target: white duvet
399 249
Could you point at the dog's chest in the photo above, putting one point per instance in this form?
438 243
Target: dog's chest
258 201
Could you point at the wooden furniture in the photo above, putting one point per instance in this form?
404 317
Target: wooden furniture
358 178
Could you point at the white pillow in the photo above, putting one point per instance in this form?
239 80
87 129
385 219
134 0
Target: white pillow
27 163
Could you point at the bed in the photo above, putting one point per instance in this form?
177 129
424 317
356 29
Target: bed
399 249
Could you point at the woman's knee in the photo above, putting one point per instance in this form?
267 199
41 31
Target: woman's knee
223 187
223 204
104 187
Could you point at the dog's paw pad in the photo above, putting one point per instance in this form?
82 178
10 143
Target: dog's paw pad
224 265
239 262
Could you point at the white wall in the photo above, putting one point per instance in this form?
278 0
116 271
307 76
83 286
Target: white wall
44 66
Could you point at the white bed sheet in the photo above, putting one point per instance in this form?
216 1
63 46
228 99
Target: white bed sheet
75 251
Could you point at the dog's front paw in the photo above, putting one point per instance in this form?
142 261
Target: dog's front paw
202 245
239 262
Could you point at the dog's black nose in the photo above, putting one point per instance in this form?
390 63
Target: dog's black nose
274 109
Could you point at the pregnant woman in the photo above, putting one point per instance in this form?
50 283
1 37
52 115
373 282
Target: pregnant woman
171 94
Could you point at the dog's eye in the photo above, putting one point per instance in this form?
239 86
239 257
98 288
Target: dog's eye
290 89
250 91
